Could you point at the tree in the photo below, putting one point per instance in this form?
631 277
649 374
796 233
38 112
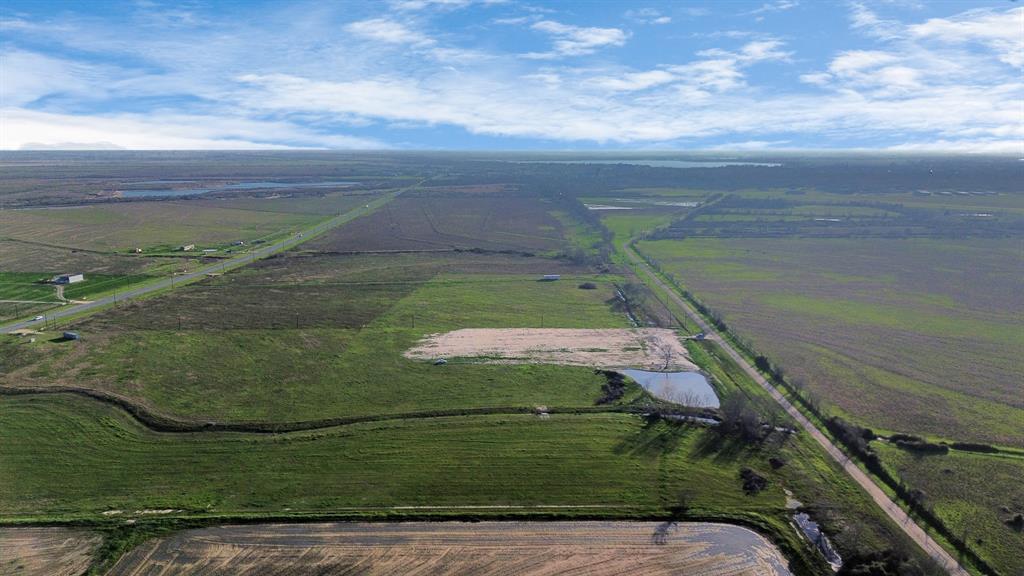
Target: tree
667 355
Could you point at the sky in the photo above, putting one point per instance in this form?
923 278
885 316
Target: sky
510 75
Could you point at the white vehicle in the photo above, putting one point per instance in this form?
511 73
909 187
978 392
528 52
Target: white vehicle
38 318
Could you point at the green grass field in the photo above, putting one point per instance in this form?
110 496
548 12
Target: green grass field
76 458
26 286
974 494
335 349
72 456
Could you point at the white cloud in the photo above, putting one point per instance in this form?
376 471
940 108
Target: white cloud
941 81
634 80
409 5
1002 32
513 21
389 31
571 40
28 76
722 70
647 16
777 6
162 131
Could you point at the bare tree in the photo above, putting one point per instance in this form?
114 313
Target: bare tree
667 355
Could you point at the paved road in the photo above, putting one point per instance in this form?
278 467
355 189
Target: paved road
221 266
905 522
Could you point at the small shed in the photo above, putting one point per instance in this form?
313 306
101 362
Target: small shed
187 247
71 336
69 278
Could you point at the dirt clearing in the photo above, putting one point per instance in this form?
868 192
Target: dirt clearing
646 348
45 551
435 548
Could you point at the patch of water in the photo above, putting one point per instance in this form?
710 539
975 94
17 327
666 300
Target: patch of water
146 193
690 389
606 207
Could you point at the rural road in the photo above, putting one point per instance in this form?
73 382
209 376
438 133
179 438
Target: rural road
901 518
223 265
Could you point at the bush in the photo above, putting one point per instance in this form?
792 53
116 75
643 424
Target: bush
752 481
588 286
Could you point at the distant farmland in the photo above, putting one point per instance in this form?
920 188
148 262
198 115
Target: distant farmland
126 226
907 335
489 221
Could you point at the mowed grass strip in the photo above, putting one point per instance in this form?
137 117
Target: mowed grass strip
70 456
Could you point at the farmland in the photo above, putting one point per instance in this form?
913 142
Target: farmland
900 312
290 389
275 347
163 226
52 551
488 221
601 548
828 310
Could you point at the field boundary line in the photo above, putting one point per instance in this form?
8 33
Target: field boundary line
162 423
891 508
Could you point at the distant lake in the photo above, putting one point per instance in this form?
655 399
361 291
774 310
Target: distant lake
688 388
163 192
656 163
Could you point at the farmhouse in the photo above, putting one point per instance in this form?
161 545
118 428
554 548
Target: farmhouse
187 247
68 278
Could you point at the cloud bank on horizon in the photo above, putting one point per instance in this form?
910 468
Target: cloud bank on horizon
506 74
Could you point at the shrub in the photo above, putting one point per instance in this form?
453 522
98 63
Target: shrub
752 481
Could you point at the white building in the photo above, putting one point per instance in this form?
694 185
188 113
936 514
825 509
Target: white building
69 278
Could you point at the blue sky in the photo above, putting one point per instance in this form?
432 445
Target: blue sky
504 74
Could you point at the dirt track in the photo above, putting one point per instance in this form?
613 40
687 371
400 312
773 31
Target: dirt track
420 548
45 551
645 348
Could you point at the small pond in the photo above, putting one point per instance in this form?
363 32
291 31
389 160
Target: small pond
687 388
150 193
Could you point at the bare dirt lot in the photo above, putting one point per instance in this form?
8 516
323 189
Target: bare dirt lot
45 551
524 548
646 348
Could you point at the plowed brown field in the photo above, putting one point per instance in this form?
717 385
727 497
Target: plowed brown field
521 548
45 551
